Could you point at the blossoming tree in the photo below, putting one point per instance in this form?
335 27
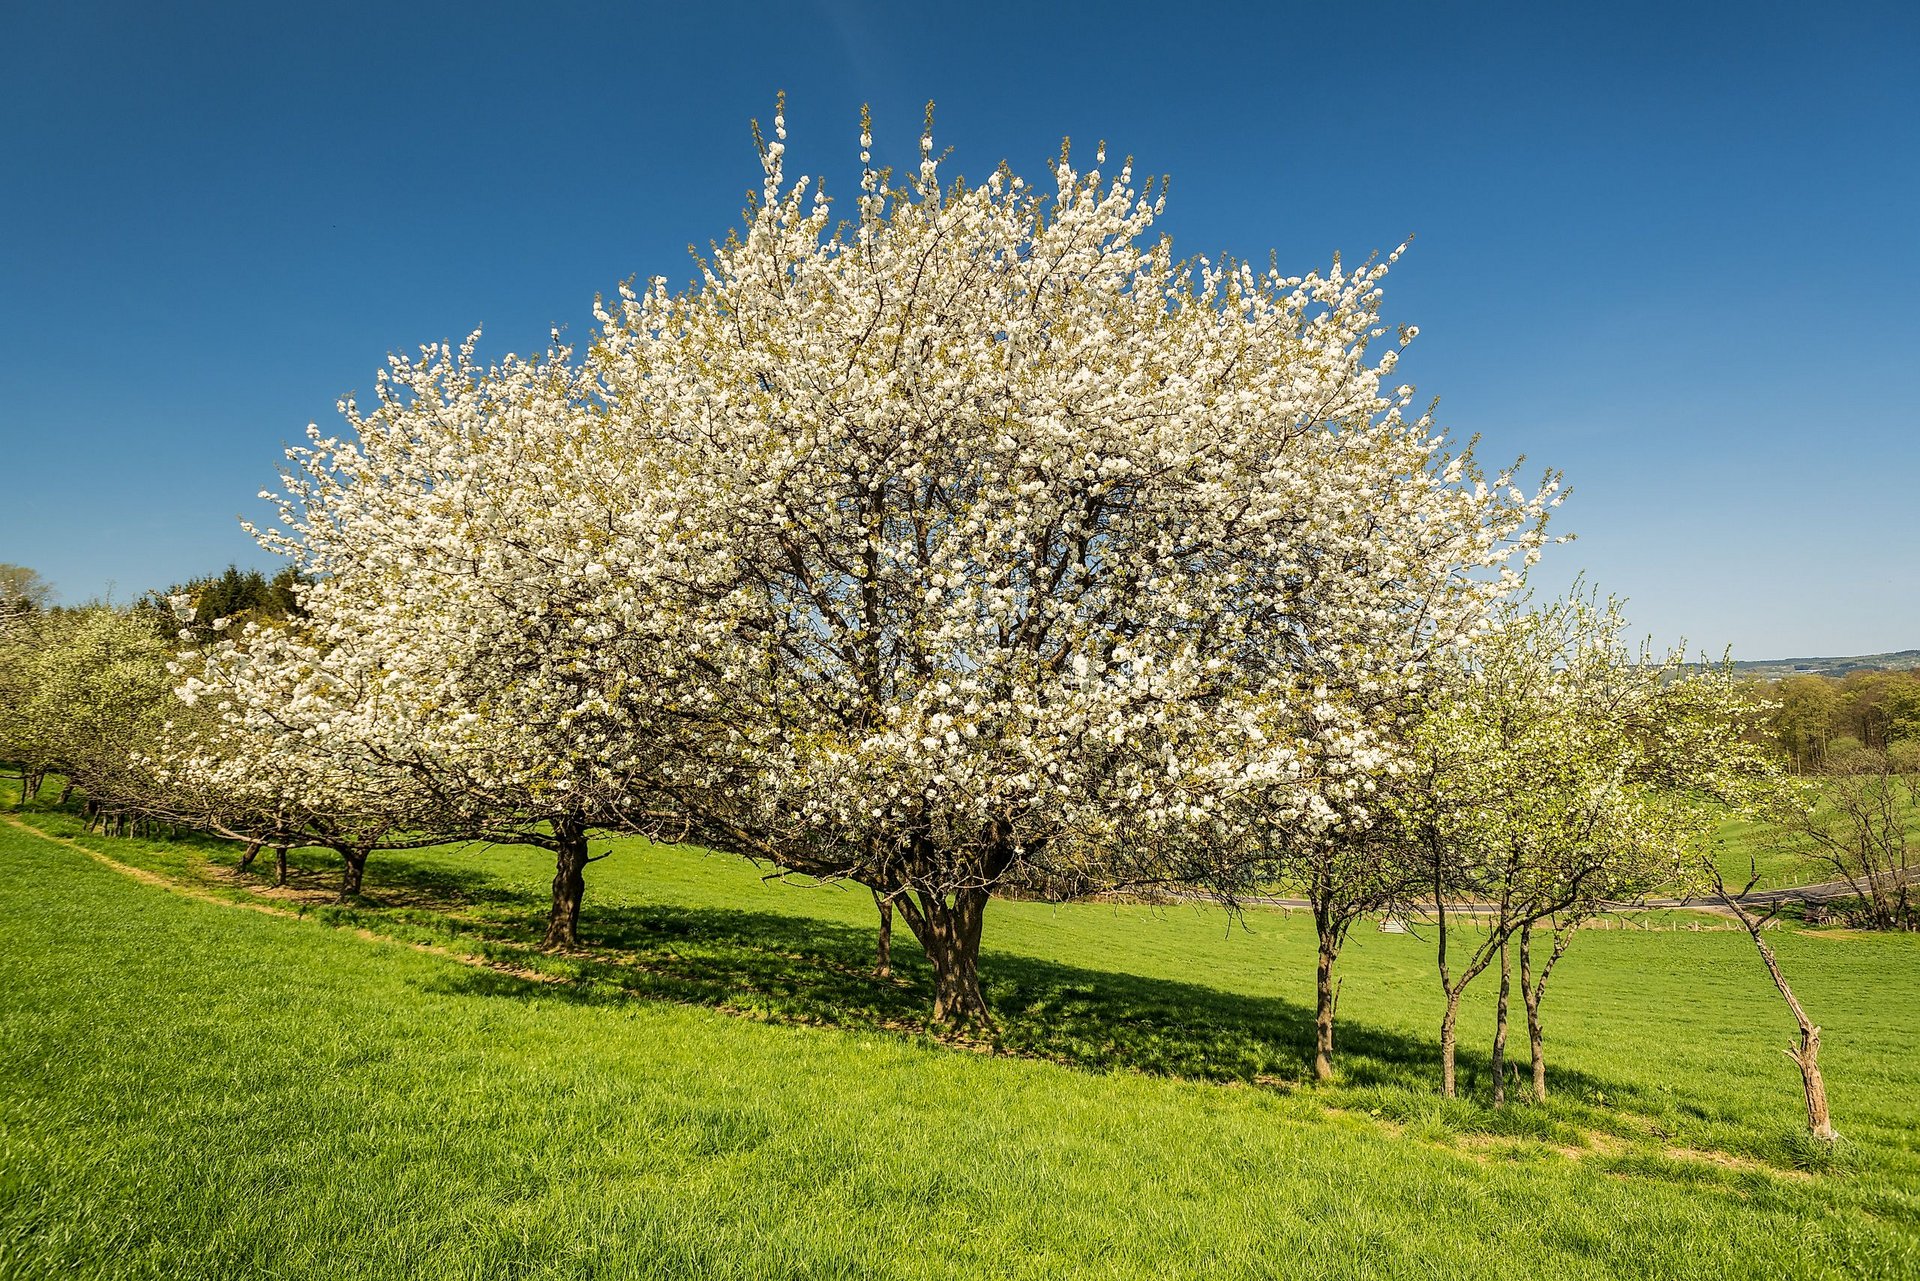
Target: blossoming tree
1011 551
1558 771
1363 636
263 748
474 632
95 690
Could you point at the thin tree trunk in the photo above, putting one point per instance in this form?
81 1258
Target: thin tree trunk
1500 1031
279 865
30 788
1806 1056
1807 1059
1451 1016
1329 952
569 884
1533 992
66 793
247 855
883 948
1530 997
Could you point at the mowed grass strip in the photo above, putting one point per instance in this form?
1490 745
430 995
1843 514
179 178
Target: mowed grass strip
195 1091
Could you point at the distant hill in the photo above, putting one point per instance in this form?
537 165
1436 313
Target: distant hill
1774 668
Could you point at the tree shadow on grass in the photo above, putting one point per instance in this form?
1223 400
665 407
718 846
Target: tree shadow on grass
405 882
802 970
396 884
799 970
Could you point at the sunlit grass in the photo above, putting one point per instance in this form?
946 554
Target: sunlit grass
1744 848
196 1091
1747 848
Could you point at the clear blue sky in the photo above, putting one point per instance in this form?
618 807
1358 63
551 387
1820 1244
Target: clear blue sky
1671 249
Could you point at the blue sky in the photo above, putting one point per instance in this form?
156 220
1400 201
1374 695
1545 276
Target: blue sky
1669 249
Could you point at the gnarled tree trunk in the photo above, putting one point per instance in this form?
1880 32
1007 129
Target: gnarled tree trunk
1807 1059
354 870
569 884
949 933
1806 1056
248 855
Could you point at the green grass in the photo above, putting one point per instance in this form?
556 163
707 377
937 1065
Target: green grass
1744 848
716 1087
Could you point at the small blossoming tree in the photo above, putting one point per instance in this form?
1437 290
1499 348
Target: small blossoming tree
265 746
1557 772
476 634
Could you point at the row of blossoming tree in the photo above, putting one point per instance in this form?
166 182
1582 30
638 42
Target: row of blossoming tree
971 544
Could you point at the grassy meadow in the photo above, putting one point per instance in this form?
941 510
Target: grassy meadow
717 1086
1748 848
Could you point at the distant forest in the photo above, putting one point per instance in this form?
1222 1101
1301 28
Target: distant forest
1819 719
1772 669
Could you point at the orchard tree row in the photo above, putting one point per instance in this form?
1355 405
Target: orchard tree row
962 543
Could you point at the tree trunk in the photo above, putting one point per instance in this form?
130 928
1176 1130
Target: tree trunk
1530 997
279 865
1451 1016
883 949
247 855
1323 1008
1807 1056
949 933
1807 1059
66 793
569 884
30 788
355 869
1500 1031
